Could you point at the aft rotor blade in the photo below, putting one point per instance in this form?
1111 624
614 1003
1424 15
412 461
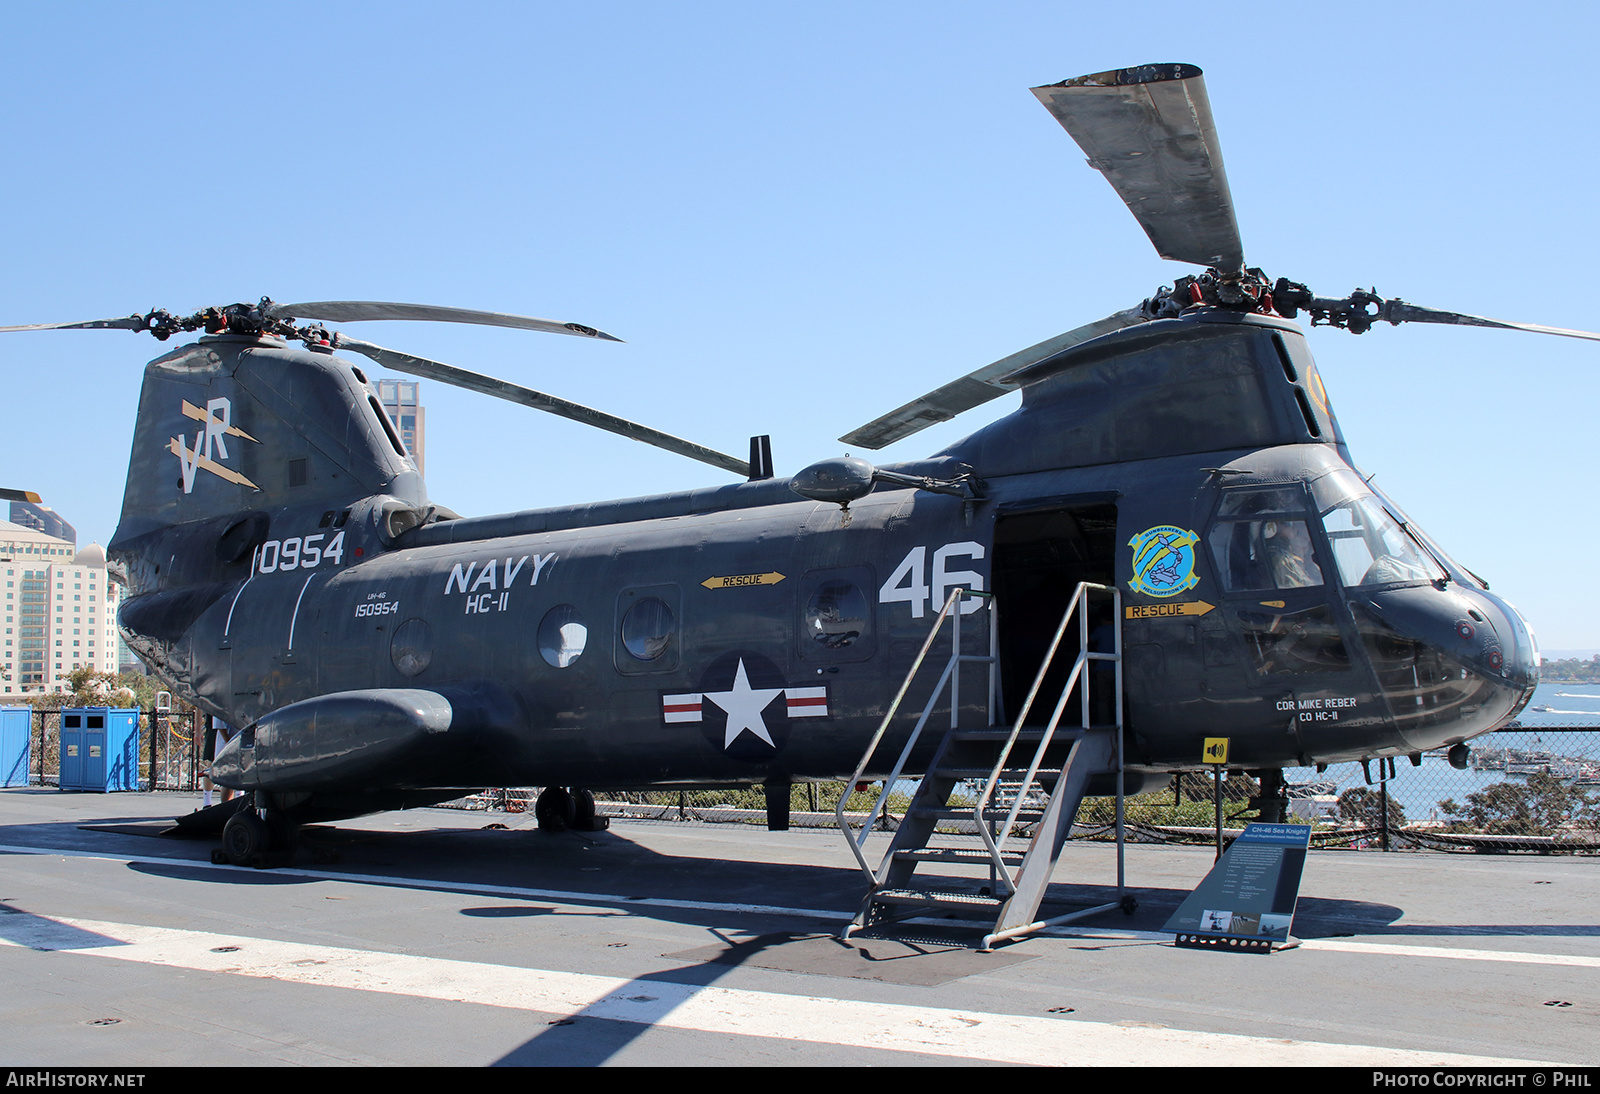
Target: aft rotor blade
501 389
353 311
978 387
127 322
1398 311
18 495
1149 131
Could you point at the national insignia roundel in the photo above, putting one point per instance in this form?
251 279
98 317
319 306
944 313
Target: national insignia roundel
744 706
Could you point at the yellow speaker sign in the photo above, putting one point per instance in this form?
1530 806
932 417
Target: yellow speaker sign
1215 751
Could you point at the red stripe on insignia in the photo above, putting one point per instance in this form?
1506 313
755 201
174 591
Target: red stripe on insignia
807 702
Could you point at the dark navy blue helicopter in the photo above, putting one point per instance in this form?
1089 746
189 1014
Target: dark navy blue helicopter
287 572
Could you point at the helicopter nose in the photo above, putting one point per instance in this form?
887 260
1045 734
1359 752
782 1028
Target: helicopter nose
1521 654
1451 662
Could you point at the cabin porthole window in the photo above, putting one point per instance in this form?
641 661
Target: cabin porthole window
411 649
836 614
562 636
647 629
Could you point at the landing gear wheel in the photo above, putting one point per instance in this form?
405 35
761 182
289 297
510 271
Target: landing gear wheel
555 809
1129 904
584 818
245 838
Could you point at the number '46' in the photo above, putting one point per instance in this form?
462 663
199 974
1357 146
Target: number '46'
910 582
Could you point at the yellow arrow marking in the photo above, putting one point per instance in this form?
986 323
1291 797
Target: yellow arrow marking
735 581
1159 611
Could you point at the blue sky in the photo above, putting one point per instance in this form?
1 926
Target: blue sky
800 216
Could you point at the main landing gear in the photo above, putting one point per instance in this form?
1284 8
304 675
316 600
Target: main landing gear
558 808
258 837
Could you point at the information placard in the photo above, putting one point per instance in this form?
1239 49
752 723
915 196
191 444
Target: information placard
1246 903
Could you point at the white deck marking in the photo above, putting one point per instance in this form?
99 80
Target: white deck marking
967 1034
831 916
1387 949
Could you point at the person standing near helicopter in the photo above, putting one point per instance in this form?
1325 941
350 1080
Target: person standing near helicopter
218 733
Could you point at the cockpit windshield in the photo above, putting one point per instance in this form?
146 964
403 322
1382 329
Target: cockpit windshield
1369 546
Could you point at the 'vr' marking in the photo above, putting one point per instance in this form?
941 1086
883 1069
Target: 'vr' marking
218 419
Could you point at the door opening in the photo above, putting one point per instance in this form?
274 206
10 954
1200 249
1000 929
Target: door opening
1039 559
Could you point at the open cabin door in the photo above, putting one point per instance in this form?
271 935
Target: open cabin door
1039 559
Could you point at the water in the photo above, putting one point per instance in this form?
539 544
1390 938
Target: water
1420 789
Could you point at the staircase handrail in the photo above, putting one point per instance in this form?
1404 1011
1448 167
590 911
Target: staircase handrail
1079 596
950 610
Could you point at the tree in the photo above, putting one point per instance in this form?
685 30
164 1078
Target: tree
1362 805
1539 807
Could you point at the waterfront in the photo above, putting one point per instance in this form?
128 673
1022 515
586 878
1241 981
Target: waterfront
1563 731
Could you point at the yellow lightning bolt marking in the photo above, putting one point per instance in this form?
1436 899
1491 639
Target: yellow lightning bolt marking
177 448
192 411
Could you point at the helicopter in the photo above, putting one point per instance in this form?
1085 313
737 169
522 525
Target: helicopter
287 573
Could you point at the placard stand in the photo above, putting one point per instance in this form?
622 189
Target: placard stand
1246 903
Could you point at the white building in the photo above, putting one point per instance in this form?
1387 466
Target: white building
60 611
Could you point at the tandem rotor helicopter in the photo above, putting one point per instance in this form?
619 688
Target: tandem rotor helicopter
287 572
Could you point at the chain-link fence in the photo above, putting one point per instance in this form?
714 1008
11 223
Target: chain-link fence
169 749
1524 789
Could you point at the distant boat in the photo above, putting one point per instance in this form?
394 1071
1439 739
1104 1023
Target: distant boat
1542 710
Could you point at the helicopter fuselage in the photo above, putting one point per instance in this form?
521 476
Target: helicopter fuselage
744 634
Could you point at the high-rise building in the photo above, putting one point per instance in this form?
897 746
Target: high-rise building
59 611
399 399
42 518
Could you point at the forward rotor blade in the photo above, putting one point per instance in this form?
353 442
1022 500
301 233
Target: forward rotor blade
18 495
501 389
129 322
353 311
977 388
1149 131
1398 311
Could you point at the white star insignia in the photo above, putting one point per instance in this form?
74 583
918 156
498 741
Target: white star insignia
744 705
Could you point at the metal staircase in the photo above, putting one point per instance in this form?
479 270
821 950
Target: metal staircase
1032 777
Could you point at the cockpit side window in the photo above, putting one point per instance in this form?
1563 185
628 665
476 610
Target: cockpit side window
1264 554
1264 549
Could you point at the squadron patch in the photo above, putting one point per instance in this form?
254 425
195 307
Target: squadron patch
1163 561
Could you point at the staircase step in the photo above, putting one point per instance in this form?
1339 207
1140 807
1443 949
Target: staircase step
952 854
935 898
1017 773
1028 733
1024 816
998 734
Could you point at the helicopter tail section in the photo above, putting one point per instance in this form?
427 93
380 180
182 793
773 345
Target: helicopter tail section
235 433
249 458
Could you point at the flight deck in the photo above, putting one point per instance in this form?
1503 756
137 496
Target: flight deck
441 937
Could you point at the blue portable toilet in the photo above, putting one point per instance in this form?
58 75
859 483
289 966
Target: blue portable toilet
16 734
99 749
